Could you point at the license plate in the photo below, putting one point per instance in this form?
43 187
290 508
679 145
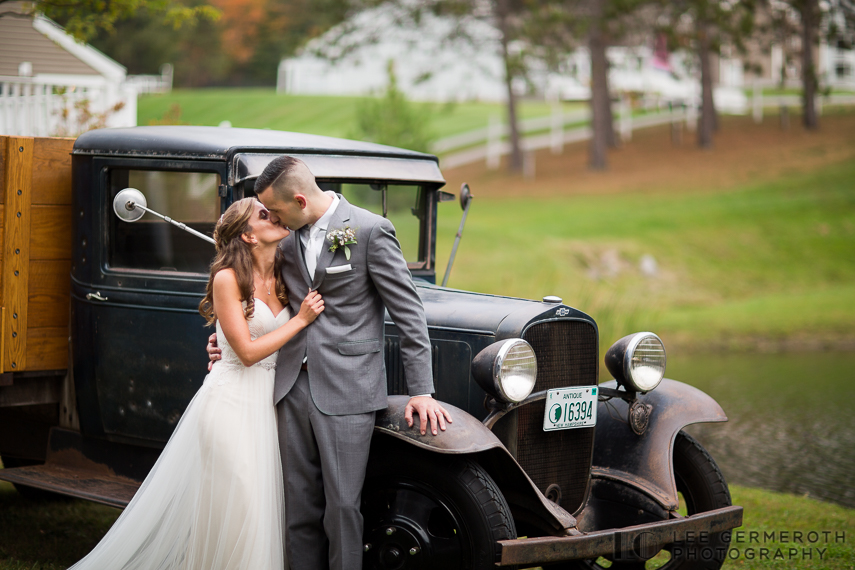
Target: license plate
568 408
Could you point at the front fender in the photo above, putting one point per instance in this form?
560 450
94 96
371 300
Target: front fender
467 436
645 461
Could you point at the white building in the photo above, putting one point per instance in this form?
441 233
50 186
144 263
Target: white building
47 78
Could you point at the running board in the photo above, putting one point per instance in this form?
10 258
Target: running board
87 468
112 491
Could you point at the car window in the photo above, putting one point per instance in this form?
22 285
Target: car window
150 243
402 209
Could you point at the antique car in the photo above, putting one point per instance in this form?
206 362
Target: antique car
103 348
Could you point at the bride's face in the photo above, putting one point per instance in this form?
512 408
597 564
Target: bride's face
264 230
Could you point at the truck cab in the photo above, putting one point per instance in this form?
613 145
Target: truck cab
128 354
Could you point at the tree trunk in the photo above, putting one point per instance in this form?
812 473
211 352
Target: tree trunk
515 164
809 82
707 122
601 120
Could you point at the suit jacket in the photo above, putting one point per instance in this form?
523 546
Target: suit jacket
344 346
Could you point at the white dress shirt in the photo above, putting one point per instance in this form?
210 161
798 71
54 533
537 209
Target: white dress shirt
313 239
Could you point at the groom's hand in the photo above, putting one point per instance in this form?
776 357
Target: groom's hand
214 353
428 409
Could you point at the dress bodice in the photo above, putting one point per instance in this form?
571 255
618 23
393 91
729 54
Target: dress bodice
262 322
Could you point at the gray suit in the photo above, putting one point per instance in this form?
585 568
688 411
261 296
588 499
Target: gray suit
326 414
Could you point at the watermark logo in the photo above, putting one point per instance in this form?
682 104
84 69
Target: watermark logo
783 545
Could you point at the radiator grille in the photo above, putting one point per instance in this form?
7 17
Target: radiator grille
567 355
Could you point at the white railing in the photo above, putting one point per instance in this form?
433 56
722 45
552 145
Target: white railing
34 107
144 84
490 144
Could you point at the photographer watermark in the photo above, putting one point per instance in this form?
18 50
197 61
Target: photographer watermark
749 544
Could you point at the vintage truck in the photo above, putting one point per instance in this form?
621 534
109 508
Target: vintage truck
102 348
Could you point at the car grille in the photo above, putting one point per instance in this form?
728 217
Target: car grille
567 355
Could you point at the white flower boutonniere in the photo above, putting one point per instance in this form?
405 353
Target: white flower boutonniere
342 238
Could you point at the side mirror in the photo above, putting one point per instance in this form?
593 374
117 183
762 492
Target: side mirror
130 205
127 204
465 196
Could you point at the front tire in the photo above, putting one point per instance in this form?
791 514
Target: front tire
427 511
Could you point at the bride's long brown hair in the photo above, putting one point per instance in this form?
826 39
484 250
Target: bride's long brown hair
236 254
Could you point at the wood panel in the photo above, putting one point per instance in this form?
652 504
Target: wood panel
16 251
52 171
49 294
3 143
47 348
50 236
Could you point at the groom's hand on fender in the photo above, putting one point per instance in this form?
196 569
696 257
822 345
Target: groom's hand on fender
428 409
214 353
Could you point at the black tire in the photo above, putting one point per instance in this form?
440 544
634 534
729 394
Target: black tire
703 487
31 493
448 509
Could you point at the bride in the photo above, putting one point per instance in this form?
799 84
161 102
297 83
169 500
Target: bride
214 499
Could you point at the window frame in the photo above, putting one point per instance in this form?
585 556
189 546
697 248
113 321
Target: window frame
113 275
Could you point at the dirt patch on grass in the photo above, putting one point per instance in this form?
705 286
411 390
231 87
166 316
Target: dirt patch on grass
743 152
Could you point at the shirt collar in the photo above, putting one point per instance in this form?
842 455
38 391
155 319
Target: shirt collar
323 221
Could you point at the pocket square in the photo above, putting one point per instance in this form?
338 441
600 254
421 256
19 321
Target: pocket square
338 269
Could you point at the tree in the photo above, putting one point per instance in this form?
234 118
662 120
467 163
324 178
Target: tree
706 26
83 19
834 21
562 25
392 119
506 17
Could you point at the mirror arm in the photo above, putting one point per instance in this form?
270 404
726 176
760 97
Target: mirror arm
174 223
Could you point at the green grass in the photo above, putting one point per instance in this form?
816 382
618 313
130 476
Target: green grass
52 536
330 116
772 260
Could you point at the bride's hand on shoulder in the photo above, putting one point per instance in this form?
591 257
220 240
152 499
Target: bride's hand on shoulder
310 308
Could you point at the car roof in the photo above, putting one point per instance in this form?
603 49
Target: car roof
223 142
249 150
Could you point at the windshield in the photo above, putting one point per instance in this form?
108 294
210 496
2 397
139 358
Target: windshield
403 209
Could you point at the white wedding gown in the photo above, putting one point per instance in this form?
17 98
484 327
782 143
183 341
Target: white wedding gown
214 499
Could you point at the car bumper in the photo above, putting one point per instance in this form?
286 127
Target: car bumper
628 543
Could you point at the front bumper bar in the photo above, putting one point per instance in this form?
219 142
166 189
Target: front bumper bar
629 542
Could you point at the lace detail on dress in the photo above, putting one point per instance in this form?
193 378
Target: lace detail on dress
261 323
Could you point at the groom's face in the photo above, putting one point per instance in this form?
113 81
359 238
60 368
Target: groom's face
280 213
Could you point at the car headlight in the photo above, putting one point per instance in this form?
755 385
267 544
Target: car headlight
637 361
506 370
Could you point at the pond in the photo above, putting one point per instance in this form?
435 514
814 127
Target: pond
791 418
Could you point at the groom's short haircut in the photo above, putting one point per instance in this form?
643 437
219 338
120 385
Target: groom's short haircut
276 175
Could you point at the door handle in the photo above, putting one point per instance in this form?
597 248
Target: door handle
96 296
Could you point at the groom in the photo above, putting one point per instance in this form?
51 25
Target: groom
330 378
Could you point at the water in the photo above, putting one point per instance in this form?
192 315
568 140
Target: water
791 419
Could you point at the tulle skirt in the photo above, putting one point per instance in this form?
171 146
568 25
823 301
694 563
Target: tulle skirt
214 499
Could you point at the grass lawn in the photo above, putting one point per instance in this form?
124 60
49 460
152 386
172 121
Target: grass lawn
331 116
742 250
52 536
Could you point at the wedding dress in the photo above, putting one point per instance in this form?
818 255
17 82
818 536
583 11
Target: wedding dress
214 498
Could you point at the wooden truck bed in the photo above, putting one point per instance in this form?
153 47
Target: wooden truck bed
35 257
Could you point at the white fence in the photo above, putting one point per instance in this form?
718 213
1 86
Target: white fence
33 107
490 143
143 84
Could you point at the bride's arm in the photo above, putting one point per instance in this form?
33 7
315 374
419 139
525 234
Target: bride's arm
229 311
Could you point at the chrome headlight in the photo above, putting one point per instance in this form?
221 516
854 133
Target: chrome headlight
637 361
506 370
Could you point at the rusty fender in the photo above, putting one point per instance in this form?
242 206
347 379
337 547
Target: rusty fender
644 461
467 436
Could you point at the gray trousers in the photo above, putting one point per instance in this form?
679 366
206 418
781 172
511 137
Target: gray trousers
323 461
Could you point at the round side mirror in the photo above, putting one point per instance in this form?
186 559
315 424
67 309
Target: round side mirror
125 204
465 196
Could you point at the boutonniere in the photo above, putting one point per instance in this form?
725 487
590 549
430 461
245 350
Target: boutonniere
342 238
